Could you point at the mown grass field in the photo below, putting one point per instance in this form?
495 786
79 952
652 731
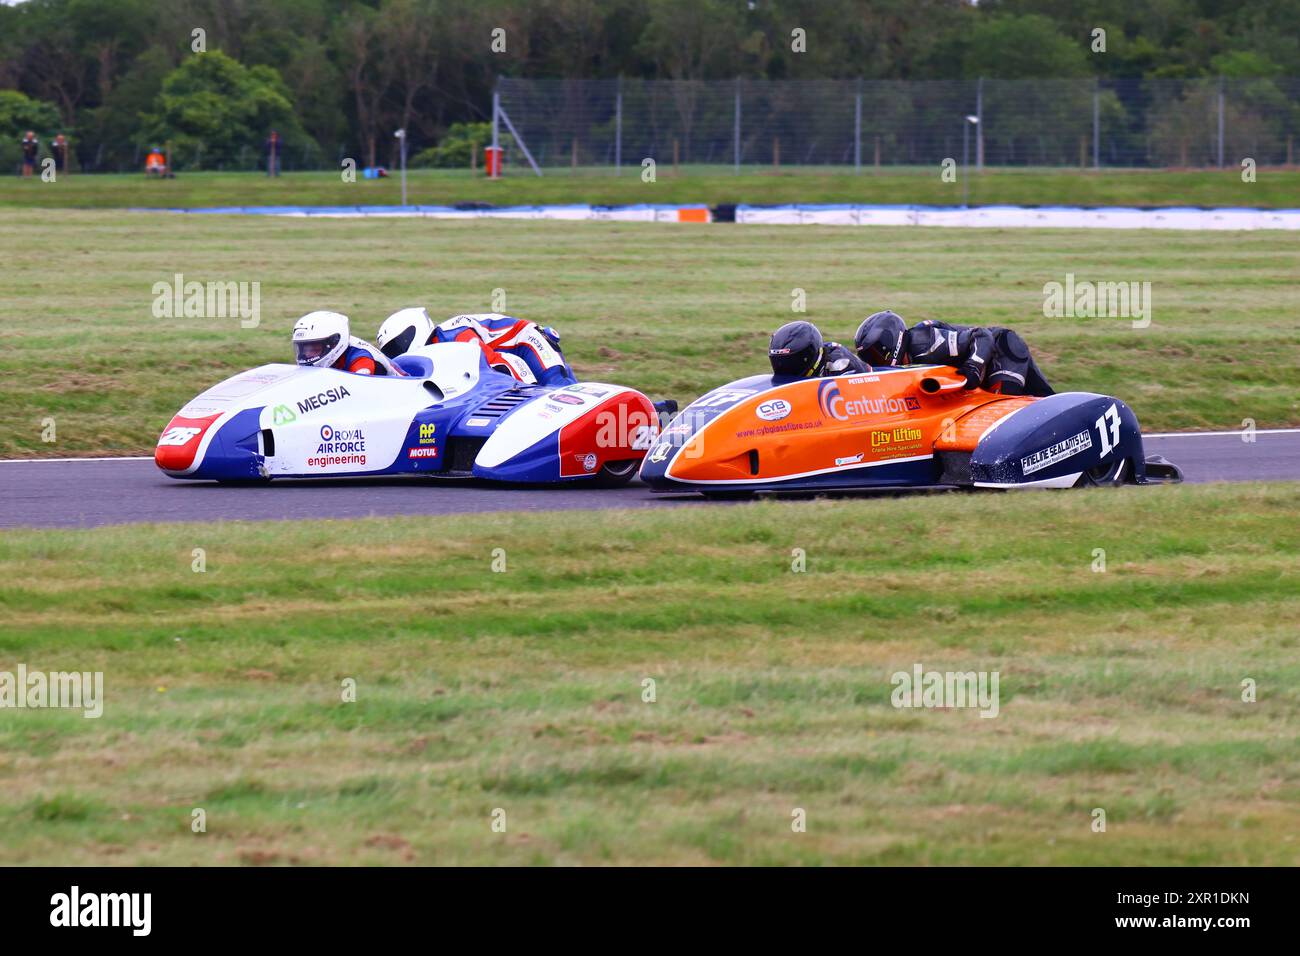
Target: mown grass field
1273 187
522 691
674 309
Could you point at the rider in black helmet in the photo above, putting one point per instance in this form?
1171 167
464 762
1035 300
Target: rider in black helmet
797 350
995 358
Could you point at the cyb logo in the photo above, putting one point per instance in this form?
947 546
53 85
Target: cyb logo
774 410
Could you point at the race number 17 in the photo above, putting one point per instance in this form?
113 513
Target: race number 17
1109 437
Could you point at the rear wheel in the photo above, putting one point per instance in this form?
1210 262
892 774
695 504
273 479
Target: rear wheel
1104 475
616 474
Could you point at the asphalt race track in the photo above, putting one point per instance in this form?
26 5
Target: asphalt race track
77 493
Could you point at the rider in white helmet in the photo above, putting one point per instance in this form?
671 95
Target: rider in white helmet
515 346
404 330
324 340
411 328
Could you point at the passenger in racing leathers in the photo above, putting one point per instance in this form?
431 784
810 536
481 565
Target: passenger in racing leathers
518 347
324 340
995 358
797 349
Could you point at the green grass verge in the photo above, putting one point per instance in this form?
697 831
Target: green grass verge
671 309
692 184
523 690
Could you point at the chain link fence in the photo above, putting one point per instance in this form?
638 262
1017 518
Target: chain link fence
856 123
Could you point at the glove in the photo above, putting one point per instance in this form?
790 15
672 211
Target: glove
972 374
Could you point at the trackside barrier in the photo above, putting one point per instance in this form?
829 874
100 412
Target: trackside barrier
638 213
988 217
1022 217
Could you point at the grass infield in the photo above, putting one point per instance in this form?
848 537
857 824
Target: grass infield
673 309
711 185
523 691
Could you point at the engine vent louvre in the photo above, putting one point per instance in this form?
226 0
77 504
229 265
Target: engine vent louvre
498 406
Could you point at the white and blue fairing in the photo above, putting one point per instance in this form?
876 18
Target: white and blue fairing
451 413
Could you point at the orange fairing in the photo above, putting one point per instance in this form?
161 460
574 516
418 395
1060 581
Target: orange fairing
822 425
964 433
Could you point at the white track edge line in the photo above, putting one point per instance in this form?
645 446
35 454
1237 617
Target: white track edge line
14 461
1258 431
1238 433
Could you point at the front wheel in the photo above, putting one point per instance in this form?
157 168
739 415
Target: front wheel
616 474
1104 475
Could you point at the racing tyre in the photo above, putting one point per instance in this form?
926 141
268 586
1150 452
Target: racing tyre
1105 475
616 474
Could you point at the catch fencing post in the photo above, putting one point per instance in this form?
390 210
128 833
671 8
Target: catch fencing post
979 125
401 137
971 120
857 128
618 127
965 163
494 172
736 134
1096 125
1220 122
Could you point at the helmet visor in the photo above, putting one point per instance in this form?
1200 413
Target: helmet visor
878 350
311 351
792 362
877 355
399 344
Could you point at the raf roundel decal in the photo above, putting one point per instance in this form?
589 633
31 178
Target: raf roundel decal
326 433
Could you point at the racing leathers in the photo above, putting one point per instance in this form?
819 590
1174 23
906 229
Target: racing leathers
995 358
838 360
524 349
362 358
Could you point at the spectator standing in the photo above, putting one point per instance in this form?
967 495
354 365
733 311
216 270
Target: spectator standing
273 154
155 164
31 146
60 150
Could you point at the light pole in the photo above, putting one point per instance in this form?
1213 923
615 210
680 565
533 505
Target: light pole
401 135
971 120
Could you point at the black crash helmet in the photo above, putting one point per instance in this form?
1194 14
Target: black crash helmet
879 339
795 349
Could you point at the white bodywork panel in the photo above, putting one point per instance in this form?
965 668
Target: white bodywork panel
530 423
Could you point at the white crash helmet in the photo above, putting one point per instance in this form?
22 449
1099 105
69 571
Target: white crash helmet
404 330
319 338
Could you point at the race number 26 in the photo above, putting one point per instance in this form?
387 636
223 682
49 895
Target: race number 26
1109 436
178 435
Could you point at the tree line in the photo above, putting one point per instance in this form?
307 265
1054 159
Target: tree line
337 77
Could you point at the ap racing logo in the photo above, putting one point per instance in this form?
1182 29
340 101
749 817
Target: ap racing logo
340 441
834 405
